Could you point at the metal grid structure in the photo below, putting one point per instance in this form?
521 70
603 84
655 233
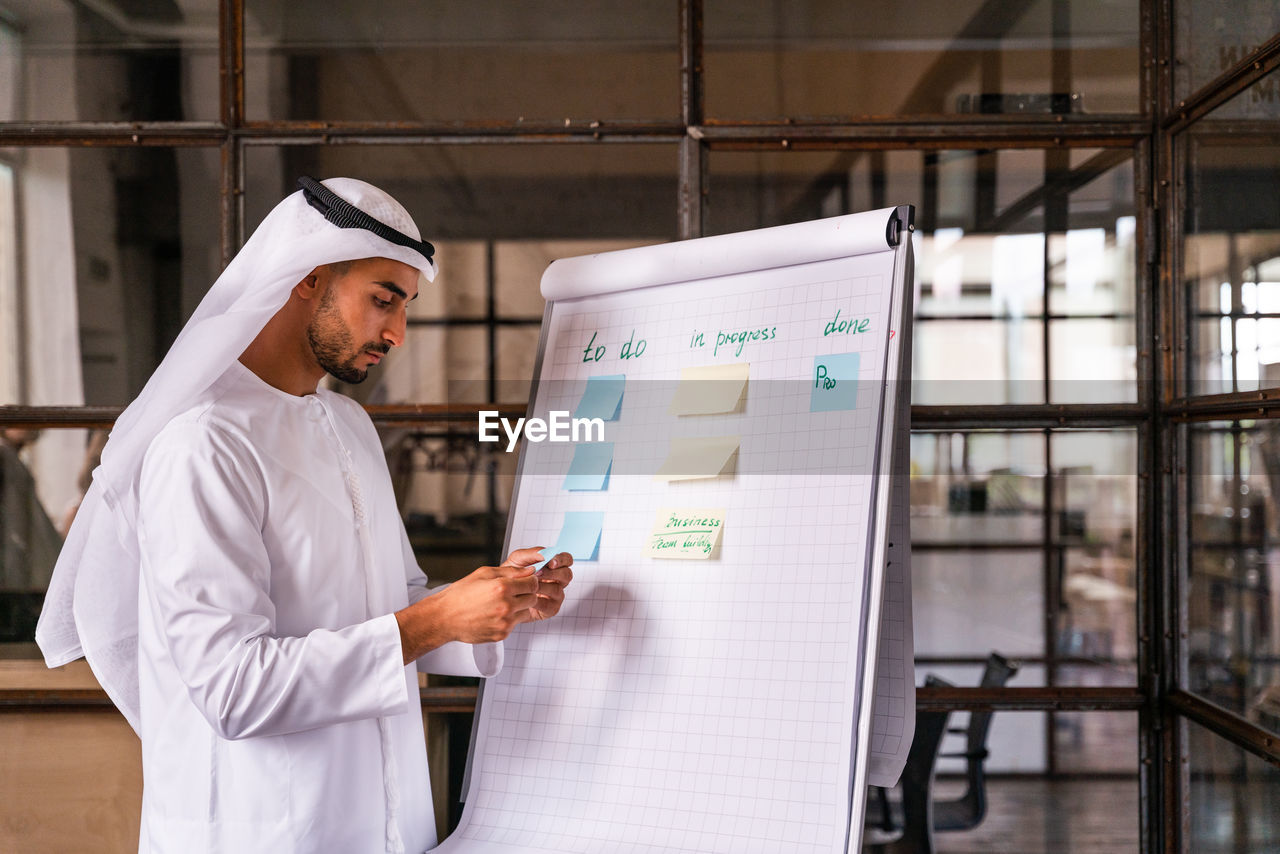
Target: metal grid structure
1157 142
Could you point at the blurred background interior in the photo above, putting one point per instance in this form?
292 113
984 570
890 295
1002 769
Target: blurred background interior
1095 458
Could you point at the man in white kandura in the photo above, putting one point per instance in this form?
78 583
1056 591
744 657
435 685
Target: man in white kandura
239 576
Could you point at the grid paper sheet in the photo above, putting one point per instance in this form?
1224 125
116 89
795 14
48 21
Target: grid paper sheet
894 698
696 706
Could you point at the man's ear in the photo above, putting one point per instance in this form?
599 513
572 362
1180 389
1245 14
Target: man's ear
309 287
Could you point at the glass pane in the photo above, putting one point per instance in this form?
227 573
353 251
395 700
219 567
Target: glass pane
517 349
519 267
1093 361
1096 742
1097 638
1095 478
1211 36
831 58
1231 245
109 61
461 60
1234 327
992 194
118 247
1016 740
1095 501
1233 797
971 488
624 192
1233 597
521 263
1091 268
11 325
1214 364
461 290
1091 274
993 227
43 476
982 192
968 603
1236 353
956 272
971 491
977 362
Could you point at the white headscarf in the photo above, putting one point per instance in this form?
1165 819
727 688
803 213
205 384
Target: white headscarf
91 608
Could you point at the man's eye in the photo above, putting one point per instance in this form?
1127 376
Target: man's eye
382 303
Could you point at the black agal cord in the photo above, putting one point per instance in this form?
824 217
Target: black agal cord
343 214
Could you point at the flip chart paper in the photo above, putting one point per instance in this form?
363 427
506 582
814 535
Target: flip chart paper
720 255
696 457
710 389
589 470
895 693
584 741
602 398
684 534
835 382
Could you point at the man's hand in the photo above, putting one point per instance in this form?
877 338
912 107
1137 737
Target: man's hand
487 604
553 578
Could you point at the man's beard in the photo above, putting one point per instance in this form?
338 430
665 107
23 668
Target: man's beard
331 342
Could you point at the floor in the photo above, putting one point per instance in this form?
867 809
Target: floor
1030 815
1229 814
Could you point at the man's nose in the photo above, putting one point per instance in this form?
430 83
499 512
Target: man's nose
394 332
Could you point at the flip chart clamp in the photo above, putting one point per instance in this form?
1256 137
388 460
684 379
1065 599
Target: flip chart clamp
903 216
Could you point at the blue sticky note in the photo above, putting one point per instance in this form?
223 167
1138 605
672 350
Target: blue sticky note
834 382
590 468
603 398
580 535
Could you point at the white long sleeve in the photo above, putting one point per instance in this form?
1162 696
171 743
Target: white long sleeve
454 658
208 582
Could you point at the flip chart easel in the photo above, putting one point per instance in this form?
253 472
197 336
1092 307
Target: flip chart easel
720 678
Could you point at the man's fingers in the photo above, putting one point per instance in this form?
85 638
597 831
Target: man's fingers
524 557
550 598
560 560
507 571
526 585
548 604
560 575
524 601
526 615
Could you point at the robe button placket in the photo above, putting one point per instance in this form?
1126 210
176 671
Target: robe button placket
317 412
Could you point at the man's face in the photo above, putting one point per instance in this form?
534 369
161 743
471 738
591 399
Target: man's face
361 315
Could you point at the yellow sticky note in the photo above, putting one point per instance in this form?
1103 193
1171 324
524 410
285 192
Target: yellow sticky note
685 534
699 456
710 389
